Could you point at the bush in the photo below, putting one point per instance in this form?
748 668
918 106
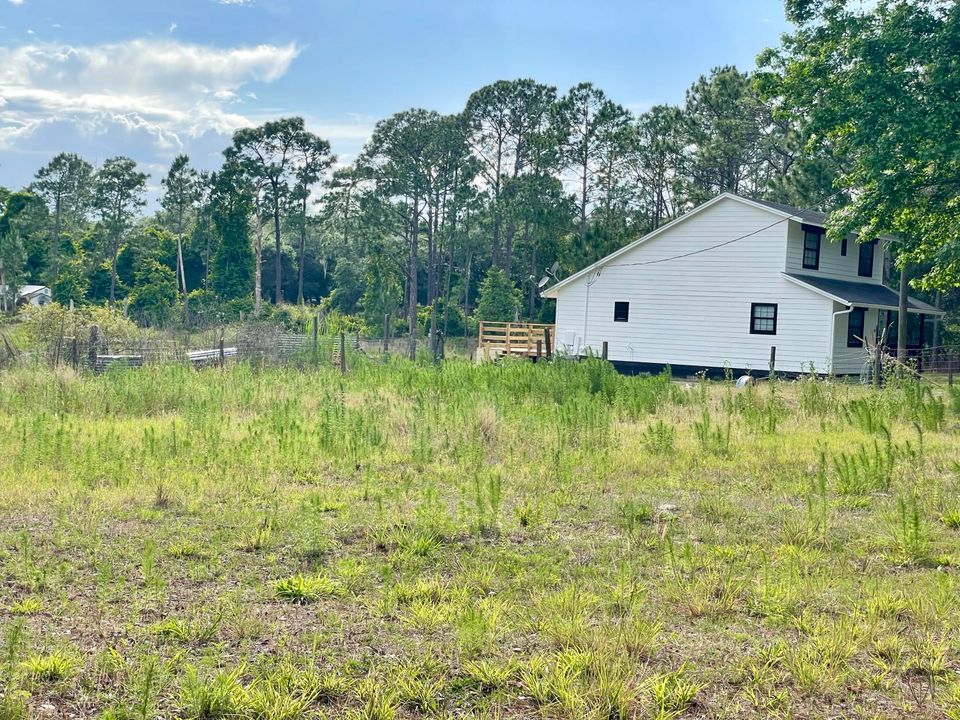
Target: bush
499 297
155 296
50 322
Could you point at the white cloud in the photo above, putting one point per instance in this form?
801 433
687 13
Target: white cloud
16 2
173 26
167 89
228 2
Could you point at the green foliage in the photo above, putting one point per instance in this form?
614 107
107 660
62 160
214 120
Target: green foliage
841 71
232 266
499 299
155 296
51 667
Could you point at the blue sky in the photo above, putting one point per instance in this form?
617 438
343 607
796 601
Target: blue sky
151 79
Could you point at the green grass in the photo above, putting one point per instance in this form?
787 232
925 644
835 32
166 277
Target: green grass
507 540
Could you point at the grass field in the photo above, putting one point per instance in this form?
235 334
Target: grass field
506 541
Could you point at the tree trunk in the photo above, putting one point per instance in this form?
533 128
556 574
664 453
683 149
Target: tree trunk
303 248
902 317
258 270
412 280
183 278
466 295
446 293
278 295
533 282
57 224
4 290
113 271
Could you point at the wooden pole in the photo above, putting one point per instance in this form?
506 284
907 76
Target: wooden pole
222 358
546 337
603 350
386 334
316 332
343 353
773 359
539 348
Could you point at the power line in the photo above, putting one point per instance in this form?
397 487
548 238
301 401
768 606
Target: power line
712 247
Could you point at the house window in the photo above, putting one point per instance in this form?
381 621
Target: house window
763 319
621 311
843 247
856 320
811 250
865 268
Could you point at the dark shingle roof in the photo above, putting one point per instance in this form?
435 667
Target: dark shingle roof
860 293
813 217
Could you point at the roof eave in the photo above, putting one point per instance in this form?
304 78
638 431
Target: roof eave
921 308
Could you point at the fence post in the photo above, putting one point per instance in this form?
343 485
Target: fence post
539 348
546 338
603 350
74 353
386 334
343 353
773 359
92 350
316 329
222 358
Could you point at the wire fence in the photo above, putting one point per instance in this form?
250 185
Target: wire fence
95 348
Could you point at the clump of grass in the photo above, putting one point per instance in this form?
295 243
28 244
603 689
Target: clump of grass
672 693
259 537
658 438
527 513
951 518
865 471
710 437
633 515
910 536
307 589
377 701
490 675
27 606
50 667
216 696
185 550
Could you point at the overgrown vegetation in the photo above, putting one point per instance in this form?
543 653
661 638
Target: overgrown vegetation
503 540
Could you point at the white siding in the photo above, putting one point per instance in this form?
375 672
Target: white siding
832 263
850 360
696 310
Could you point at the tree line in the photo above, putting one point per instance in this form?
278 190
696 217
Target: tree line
444 218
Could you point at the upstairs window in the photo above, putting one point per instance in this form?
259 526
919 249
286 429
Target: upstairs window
811 247
763 319
621 311
856 320
865 268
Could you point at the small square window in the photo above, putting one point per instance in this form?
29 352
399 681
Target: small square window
763 319
811 250
621 311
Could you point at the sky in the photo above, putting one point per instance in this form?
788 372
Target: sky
153 78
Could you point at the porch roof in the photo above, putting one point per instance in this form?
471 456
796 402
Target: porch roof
850 292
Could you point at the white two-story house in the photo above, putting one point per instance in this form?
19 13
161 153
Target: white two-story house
723 284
